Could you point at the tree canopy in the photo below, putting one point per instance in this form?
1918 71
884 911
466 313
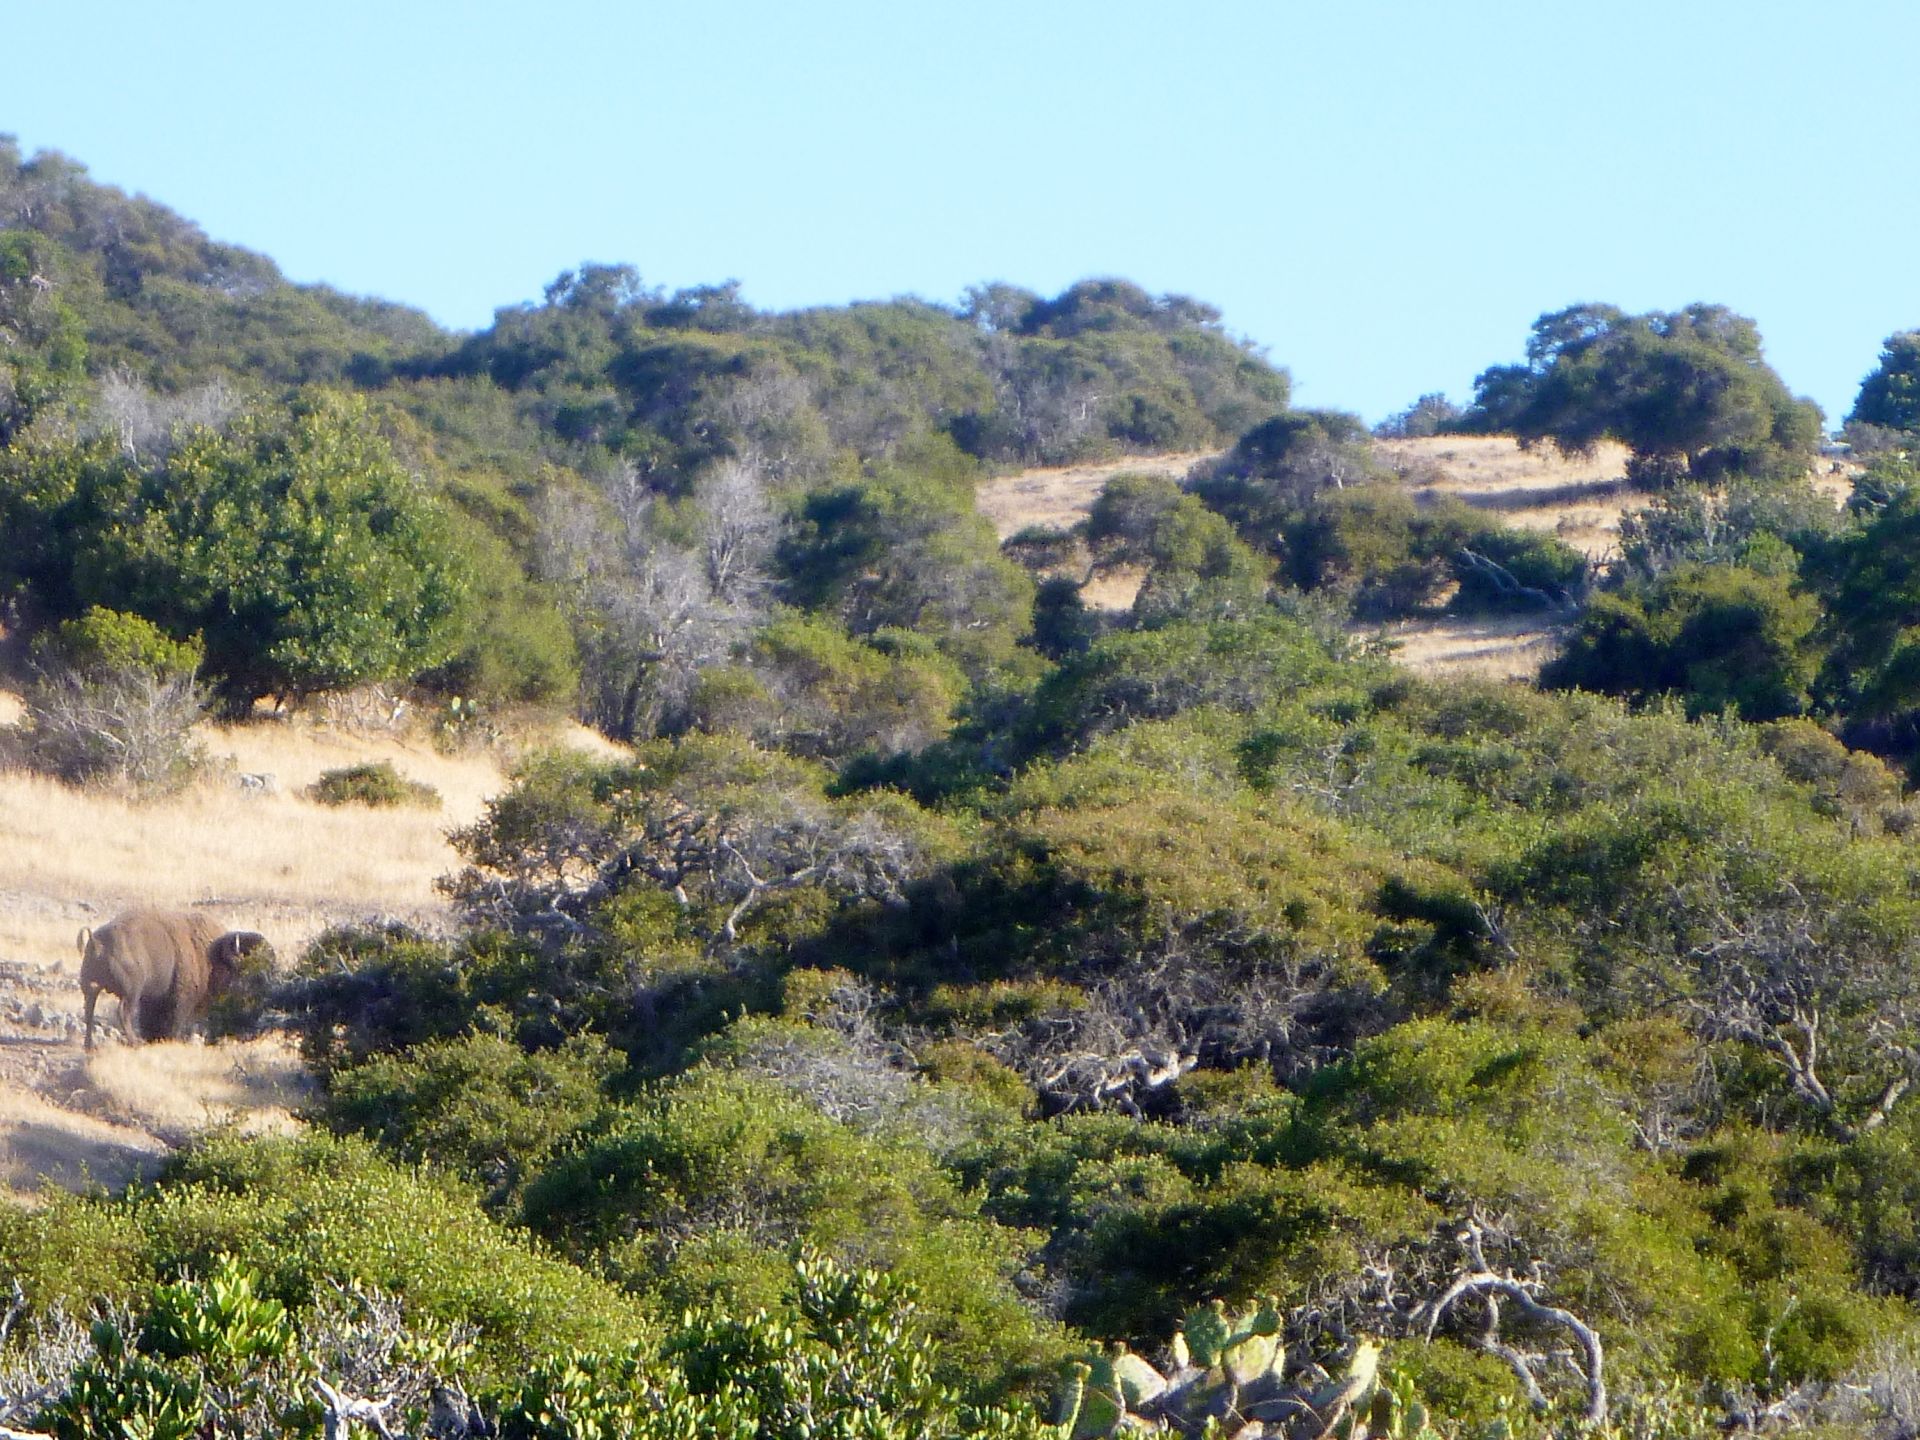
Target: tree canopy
293 542
1890 395
1688 391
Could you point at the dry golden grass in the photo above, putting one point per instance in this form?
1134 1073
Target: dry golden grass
1578 498
175 1091
1061 496
1506 648
44 1144
40 932
1494 463
1113 590
572 735
278 863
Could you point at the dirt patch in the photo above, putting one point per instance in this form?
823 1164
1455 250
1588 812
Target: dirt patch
47 1143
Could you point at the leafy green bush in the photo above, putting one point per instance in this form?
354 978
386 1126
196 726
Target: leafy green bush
361 993
905 548
478 1105
111 640
293 541
47 358
1277 468
69 1253
1719 637
373 783
1390 556
1151 675
207 1355
808 687
699 1187
515 644
1501 568
308 1213
843 1353
747 842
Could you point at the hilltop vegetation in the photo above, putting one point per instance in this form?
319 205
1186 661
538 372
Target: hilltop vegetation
1070 970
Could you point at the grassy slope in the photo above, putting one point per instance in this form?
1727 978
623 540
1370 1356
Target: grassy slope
279 863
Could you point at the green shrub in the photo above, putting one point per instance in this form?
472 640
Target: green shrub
842 1353
308 1213
478 1105
810 688
746 841
1720 637
1528 569
361 993
292 539
111 640
70 1253
516 645
1239 665
697 1189
207 1355
374 783
119 1392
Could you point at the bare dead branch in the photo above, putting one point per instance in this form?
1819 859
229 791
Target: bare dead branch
343 1410
16 1307
1490 1286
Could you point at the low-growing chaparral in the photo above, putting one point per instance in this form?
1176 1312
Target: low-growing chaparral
911 870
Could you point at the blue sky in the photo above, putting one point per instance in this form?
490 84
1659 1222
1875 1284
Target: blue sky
1383 195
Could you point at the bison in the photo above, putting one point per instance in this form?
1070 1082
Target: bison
164 965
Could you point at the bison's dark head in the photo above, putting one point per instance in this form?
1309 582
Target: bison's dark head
234 954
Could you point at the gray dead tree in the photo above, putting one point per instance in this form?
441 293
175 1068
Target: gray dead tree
1793 976
650 613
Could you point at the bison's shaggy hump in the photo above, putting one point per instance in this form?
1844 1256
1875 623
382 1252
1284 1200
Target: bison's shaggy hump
161 964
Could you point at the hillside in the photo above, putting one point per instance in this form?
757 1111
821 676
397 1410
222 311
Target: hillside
936 887
1579 499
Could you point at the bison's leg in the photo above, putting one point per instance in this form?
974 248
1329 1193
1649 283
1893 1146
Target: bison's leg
92 992
133 1016
157 1018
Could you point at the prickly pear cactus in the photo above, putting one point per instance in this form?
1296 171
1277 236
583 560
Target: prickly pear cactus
1086 1410
1222 1368
1397 1412
1226 1380
1207 1332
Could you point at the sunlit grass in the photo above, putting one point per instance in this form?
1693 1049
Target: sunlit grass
177 1090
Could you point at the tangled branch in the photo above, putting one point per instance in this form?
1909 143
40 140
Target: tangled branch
1491 1287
